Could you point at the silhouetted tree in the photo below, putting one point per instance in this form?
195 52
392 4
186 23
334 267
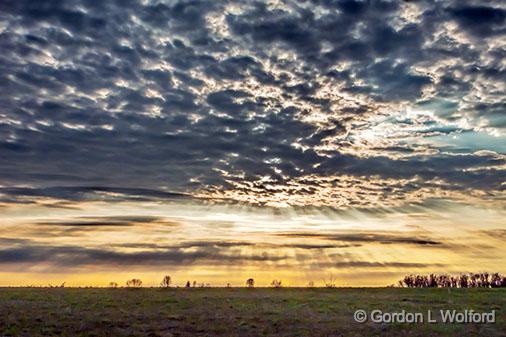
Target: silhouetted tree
463 281
134 283
276 283
165 281
250 283
188 284
113 285
330 283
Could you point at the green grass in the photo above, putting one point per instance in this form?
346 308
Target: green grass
237 311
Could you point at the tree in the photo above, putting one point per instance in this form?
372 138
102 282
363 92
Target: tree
310 284
276 283
134 283
113 285
165 282
330 283
250 283
188 284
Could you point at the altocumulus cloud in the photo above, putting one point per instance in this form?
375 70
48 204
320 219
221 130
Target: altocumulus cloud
229 99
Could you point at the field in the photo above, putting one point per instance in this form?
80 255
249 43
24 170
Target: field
238 311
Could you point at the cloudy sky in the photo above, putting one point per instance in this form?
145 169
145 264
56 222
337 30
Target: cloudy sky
221 140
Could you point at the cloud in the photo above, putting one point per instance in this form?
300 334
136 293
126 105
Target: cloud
499 233
103 221
366 264
481 21
161 101
70 256
78 193
367 238
28 254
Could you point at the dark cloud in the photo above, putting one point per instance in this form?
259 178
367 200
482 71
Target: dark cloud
367 238
75 256
366 264
136 98
26 253
86 224
190 244
395 81
234 244
103 221
314 246
76 193
480 20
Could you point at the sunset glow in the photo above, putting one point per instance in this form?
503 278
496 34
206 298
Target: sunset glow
217 141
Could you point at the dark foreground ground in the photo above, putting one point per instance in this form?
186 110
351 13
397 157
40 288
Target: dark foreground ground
238 312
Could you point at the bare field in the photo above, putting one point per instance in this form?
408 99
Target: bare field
239 311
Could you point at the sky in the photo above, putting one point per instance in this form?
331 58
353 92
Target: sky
329 141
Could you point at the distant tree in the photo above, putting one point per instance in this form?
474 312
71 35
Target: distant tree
229 285
194 284
330 283
188 284
276 283
166 281
250 283
310 284
113 285
134 283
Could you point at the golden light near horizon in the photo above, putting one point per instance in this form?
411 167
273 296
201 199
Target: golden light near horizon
218 141
220 244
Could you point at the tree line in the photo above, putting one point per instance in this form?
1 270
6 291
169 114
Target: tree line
167 281
470 280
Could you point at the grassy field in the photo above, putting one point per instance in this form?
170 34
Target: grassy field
238 311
